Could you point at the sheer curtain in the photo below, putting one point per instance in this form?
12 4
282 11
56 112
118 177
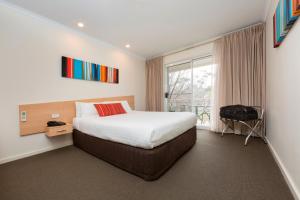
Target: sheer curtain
240 71
154 84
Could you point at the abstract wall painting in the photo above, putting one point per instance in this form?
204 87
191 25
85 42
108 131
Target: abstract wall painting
78 69
286 14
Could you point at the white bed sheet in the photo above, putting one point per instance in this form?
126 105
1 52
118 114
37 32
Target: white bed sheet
139 129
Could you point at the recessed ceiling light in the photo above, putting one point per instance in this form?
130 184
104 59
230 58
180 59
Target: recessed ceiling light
80 24
127 46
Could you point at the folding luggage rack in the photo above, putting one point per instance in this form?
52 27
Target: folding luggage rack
252 124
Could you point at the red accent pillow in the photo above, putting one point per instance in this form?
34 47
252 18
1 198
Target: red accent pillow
109 109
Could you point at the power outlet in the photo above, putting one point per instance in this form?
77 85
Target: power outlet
23 116
55 115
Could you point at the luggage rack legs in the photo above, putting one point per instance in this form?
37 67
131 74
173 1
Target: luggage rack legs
229 123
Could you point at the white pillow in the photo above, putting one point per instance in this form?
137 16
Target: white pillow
84 109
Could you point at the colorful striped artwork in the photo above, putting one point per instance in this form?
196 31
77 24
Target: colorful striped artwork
78 69
286 14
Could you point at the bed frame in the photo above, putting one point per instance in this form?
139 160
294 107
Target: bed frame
149 164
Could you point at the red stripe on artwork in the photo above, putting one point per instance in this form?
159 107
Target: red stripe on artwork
72 68
69 67
105 69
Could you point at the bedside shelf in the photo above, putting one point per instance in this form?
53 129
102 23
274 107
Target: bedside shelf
59 130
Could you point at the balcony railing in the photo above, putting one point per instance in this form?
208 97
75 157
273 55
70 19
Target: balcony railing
202 111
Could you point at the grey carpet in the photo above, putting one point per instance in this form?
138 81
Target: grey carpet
215 169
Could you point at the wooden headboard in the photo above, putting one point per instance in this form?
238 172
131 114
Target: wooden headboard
37 115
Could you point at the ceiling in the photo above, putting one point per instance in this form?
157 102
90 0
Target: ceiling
151 27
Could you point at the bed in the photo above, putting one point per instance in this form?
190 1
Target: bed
145 144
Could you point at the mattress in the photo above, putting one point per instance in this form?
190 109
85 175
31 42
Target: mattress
146 130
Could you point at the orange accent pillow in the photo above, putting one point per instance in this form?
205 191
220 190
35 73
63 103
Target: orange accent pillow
109 109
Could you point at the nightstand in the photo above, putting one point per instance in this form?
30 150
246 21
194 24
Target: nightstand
59 130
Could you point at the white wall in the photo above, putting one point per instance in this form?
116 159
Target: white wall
283 100
30 54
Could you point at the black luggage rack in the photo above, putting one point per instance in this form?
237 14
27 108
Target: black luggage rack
252 118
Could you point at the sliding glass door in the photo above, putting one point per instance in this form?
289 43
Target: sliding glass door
202 90
189 88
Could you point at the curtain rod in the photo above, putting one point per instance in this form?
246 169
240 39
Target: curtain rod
207 41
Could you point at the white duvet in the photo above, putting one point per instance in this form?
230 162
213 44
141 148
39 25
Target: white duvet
140 129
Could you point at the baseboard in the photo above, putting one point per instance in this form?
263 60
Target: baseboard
32 153
284 172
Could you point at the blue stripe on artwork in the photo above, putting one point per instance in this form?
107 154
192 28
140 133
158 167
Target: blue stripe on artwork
278 24
77 68
285 15
284 29
94 72
290 18
98 72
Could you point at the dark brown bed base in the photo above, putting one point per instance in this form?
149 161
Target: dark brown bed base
148 164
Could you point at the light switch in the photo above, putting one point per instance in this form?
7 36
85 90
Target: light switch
23 116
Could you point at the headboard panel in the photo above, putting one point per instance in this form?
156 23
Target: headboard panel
39 114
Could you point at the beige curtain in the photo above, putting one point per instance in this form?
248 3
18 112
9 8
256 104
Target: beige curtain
154 84
240 71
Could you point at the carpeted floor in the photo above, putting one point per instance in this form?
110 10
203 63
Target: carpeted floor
215 169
